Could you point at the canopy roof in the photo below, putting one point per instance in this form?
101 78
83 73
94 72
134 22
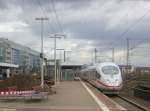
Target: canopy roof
8 65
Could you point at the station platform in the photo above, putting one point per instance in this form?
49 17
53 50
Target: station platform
70 96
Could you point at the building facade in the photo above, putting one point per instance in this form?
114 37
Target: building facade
17 54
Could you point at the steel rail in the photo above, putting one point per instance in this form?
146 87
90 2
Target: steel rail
134 103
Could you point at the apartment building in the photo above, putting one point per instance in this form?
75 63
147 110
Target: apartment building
13 53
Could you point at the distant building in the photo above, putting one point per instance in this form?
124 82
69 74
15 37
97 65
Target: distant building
17 54
65 71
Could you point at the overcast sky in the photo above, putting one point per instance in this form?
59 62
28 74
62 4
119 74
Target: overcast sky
87 24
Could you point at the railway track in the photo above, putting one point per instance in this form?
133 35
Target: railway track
128 104
124 102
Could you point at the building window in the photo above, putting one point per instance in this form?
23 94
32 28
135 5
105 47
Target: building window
15 56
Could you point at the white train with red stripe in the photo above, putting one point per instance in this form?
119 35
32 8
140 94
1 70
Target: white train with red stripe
105 76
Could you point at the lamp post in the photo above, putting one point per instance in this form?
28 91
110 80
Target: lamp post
56 36
42 19
59 75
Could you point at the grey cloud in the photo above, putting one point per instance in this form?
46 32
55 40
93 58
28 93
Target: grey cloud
3 4
80 30
68 3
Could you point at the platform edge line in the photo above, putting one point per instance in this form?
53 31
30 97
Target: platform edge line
100 103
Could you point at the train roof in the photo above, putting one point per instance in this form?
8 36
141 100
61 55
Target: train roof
106 63
97 65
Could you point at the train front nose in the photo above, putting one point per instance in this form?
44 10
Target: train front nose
113 83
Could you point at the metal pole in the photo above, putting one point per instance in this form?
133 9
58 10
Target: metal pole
46 69
113 55
42 83
60 53
59 66
95 51
64 56
55 58
127 58
42 71
55 61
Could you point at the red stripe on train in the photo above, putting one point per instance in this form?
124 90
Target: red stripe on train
106 84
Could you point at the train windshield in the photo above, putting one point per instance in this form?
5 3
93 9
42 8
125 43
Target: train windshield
110 70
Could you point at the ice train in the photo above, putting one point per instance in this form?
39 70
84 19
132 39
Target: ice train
105 76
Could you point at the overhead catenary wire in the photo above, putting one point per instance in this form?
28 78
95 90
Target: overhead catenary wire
125 15
56 15
132 25
45 14
128 11
140 42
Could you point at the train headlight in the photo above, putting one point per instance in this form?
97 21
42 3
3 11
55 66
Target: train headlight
117 81
107 81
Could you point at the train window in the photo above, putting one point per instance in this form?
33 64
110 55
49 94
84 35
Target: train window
110 70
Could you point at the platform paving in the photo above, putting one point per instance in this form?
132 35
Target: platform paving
70 96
